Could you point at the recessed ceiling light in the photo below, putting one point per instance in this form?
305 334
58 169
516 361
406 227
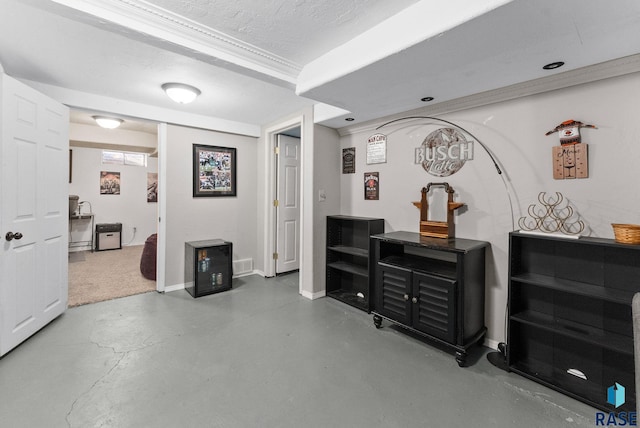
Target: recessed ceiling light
553 65
426 99
107 122
350 119
181 93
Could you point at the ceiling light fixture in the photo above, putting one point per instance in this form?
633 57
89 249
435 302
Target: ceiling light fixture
107 122
426 99
181 93
349 119
553 65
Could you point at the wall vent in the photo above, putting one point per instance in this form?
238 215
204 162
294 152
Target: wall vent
243 266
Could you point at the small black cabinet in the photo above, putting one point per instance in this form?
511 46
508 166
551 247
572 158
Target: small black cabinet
348 268
570 320
433 287
207 266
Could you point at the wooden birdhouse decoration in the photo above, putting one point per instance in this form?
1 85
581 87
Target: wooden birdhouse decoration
570 158
437 229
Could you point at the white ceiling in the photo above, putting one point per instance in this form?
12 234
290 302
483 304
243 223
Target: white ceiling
257 61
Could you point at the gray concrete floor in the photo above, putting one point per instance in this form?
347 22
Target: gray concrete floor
259 355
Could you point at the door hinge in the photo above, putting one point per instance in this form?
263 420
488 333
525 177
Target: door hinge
275 203
276 150
275 256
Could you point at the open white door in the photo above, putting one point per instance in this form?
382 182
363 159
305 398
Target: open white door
288 208
34 168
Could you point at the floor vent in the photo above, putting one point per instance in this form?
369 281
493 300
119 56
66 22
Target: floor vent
242 266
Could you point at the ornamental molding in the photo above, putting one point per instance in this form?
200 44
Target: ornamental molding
141 16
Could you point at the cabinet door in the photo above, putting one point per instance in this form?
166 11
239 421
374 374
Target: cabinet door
434 308
393 287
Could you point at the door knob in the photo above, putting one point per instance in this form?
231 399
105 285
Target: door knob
10 236
414 300
406 297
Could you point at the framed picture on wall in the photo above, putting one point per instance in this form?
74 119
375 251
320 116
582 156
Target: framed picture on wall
214 171
109 182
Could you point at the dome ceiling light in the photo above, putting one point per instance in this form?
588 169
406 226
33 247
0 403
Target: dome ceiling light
181 93
107 122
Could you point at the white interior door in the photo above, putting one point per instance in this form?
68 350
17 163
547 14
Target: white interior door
288 208
34 213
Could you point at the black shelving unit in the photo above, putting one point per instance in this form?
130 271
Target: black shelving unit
348 269
570 321
207 266
432 287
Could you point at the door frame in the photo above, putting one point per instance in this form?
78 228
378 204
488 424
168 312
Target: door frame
305 121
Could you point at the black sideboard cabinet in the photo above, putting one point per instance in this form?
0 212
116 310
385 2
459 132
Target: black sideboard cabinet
207 266
432 287
570 316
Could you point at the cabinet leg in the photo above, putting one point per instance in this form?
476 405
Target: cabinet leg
377 321
461 358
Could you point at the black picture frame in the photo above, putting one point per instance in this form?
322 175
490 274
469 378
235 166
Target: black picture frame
214 171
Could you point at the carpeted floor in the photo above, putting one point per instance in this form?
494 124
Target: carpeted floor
105 275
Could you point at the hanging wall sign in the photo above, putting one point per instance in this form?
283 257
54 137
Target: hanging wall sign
349 160
377 149
444 152
570 158
371 186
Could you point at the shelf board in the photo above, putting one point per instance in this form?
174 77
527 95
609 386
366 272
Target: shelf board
349 267
354 251
588 334
422 264
544 373
351 298
575 287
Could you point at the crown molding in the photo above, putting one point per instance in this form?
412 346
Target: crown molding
141 16
593 73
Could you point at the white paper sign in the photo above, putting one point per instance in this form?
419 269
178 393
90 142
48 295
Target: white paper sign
377 149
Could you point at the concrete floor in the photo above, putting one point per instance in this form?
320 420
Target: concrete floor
259 355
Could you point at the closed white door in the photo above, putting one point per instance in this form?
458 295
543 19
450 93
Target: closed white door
34 168
288 207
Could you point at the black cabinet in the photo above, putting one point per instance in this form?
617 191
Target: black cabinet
348 268
570 322
433 287
207 266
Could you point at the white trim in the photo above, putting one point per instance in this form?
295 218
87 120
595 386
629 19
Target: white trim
259 272
161 244
253 272
490 343
312 296
175 287
188 36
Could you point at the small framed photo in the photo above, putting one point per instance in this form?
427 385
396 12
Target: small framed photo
214 171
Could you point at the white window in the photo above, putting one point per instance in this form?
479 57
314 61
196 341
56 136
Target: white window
124 158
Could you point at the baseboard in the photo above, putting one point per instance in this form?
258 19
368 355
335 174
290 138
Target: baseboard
175 287
253 272
490 343
313 296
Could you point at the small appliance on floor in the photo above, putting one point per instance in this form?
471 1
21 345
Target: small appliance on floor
108 236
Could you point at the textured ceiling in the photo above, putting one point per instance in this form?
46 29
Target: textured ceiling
259 61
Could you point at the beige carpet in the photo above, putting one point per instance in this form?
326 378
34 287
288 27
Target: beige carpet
105 275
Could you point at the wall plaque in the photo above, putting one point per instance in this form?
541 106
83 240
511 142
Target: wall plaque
377 149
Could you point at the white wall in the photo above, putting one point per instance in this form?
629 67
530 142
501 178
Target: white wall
515 132
130 207
327 162
232 218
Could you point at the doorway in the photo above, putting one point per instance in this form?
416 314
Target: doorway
129 153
